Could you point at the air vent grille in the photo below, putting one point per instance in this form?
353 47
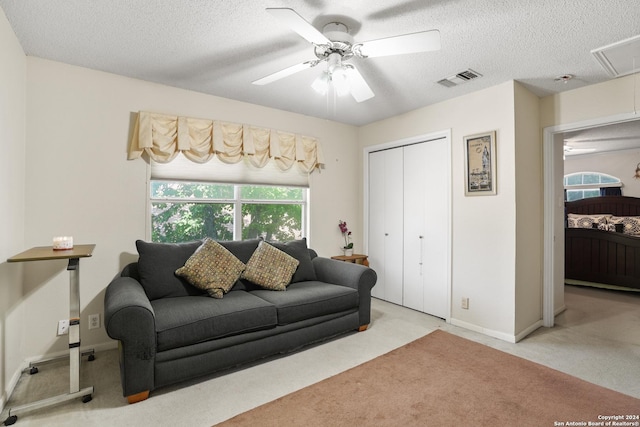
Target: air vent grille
460 78
468 75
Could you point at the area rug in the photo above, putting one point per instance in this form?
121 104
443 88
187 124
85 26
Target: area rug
444 380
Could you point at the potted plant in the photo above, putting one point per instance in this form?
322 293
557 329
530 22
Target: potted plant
347 249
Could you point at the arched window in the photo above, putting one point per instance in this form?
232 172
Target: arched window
582 185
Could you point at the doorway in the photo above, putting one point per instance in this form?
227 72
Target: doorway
553 276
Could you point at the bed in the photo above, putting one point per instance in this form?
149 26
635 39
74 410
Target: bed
605 252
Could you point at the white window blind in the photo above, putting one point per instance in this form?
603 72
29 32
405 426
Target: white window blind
182 169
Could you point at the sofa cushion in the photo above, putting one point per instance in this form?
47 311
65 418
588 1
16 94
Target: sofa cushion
157 265
212 268
188 320
270 267
298 249
306 300
241 249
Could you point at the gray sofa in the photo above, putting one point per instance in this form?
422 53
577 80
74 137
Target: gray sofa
169 331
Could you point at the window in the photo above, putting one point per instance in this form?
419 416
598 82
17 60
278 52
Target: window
185 211
582 194
582 185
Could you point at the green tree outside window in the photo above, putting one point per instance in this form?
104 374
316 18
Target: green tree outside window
189 211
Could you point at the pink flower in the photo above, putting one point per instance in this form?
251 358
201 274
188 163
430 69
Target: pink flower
346 234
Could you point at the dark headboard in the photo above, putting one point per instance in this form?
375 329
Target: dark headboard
614 205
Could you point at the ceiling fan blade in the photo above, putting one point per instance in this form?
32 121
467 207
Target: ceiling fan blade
298 24
285 73
424 41
360 90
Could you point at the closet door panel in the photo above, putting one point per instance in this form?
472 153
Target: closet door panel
385 223
435 261
393 225
414 225
426 213
376 221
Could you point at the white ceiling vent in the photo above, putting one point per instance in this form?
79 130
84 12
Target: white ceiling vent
460 78
621 58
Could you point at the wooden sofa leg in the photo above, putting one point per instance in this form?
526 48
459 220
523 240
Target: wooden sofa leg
363 328
138 397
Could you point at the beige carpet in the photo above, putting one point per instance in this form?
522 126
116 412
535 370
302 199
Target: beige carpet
443 380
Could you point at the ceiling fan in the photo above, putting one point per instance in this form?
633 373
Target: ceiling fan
570 150
335 46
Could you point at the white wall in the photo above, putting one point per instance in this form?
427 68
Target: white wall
12 199
606 99
79 182
621 164
484 228
529 213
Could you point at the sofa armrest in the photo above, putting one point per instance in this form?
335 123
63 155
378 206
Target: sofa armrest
130 319
356 276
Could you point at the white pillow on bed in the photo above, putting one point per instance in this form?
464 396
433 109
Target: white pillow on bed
630 224
587 221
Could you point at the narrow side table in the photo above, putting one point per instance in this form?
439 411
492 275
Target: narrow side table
46 253
355 258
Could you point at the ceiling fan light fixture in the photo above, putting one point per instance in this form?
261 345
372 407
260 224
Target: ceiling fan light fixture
321 84
336 76
340 81
334 62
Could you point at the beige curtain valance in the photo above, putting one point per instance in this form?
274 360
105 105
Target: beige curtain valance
163 137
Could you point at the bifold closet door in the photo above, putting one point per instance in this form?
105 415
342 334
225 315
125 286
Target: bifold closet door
385 222
426 219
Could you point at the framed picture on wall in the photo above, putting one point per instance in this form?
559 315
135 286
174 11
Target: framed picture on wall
480 164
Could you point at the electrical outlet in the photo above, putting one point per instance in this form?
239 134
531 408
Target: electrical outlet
63 327
94 321
465 303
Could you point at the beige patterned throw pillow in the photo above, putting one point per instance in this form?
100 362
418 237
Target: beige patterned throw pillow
212 268
270 268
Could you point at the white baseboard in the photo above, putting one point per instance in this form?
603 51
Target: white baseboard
98 347
528 330
496 334
489 332
11 385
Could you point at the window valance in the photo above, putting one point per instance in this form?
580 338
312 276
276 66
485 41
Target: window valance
162 137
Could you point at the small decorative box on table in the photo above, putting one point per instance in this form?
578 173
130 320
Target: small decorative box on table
47 253
355 258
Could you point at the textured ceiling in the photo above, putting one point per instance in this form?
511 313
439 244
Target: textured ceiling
220 47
